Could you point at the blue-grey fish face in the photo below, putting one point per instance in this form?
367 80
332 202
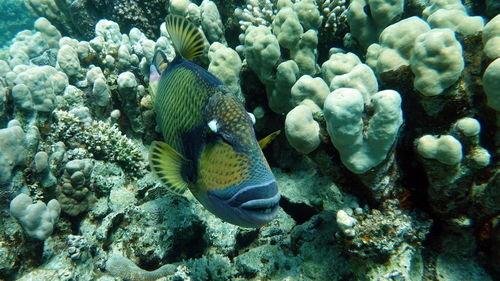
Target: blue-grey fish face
239 187
250 206
235 181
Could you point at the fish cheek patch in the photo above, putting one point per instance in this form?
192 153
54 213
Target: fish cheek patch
222 167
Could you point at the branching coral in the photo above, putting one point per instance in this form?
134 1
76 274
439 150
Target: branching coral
256 12
263 12
332 12
103 140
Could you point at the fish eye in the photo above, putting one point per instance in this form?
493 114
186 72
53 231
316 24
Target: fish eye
226 141
222 138
252 117
213 125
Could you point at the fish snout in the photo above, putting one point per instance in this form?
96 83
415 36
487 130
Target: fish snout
257 203
253 205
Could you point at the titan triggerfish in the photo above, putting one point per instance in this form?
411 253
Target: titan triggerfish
209 144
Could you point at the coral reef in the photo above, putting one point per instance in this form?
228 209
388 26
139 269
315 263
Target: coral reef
387 167
13 149
128 270
78 18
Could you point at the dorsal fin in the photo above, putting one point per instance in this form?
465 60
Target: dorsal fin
187 39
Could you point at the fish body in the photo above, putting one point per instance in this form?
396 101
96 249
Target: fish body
209 143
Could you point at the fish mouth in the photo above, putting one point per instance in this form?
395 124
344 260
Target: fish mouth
251 206
257 203
262 206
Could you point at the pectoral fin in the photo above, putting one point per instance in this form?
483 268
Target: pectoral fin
265 141
166 164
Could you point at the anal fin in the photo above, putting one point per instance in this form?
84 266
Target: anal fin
166 164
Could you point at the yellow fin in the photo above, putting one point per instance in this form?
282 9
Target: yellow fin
187 39
166 164
265 141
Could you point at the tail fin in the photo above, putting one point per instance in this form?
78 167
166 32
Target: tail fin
187 39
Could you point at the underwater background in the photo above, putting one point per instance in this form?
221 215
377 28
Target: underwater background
387 161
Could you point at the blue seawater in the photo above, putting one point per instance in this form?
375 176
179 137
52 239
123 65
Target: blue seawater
14 18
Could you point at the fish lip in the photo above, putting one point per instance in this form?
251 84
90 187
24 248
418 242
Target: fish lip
254 212
268 193
260 210
262 203
259 217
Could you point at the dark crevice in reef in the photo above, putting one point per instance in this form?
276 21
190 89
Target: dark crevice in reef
412 176
229 21
187 248
253 90
339 174
255 95
328 39
231 34
245 237
475 7
116 220
300 213
487 118
75 222
429 255
487 246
